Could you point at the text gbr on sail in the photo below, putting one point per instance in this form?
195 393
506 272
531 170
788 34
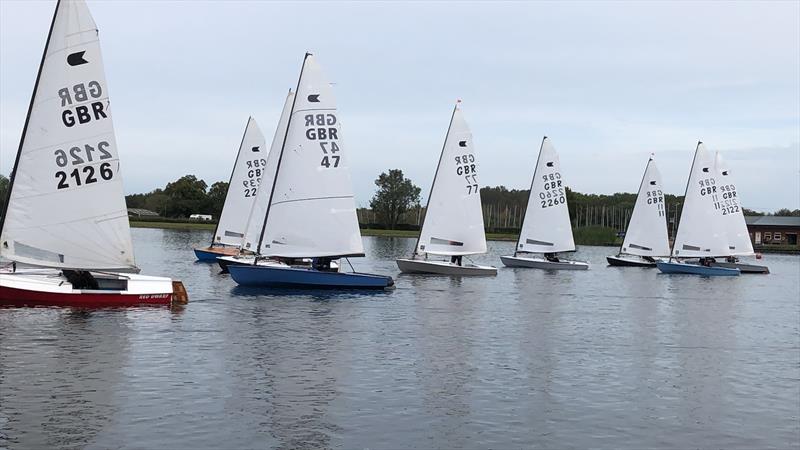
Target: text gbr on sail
80 93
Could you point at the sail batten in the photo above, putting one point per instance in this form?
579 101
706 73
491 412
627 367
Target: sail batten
67 166
546 227
453 223
312 211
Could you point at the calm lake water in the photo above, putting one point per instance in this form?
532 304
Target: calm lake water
607 358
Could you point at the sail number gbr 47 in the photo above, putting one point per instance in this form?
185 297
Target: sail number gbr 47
321 127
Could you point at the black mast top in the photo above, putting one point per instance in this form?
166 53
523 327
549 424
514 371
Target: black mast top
280 157
435 174
27 120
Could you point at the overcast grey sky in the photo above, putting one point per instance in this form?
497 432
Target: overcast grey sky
609 82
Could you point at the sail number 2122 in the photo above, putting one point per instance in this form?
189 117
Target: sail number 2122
90 158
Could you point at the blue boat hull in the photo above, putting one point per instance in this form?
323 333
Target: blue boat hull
203 255
695 269
294 277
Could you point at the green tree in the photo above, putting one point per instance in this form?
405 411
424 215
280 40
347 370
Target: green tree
396 195
216 198
187 195
787 212
750 212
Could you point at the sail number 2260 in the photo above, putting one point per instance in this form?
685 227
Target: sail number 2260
86 156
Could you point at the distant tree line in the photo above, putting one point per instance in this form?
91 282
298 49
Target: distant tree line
183 197
396 204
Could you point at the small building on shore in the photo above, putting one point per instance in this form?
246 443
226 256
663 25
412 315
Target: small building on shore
141 213
774 231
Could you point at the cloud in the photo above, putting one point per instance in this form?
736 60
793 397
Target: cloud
608 82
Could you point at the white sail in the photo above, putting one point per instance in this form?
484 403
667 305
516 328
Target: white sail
739 242
647 230
248 171
312 211
546 227
255 221
454 220
701 231
67 206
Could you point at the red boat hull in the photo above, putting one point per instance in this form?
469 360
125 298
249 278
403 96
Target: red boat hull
21 297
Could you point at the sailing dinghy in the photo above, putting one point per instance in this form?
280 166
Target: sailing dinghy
546 228
739 242
453 223
701 230
243 187
65 211
311 211
246 253
646 237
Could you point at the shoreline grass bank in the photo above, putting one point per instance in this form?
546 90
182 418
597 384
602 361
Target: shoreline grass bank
182 225
598 236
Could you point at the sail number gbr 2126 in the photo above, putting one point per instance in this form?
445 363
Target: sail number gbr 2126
86 163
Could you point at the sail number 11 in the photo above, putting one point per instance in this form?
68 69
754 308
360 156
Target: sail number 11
87 174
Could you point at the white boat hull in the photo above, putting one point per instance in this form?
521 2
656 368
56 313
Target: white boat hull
422 266
49 287
542 263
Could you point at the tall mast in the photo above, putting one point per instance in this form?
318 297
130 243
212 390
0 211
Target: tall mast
235 164
530 192
686 191
435 175
280 157
638 193
27 120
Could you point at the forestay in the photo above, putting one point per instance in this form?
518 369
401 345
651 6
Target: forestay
701 231
67 205
546 227
732 215
454 219
248 171
312 211
647 230
255 220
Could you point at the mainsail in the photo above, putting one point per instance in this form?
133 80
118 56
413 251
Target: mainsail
730 207
66 205
312 212
453 219
255 220
243 187
546 227
701 231
647 230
